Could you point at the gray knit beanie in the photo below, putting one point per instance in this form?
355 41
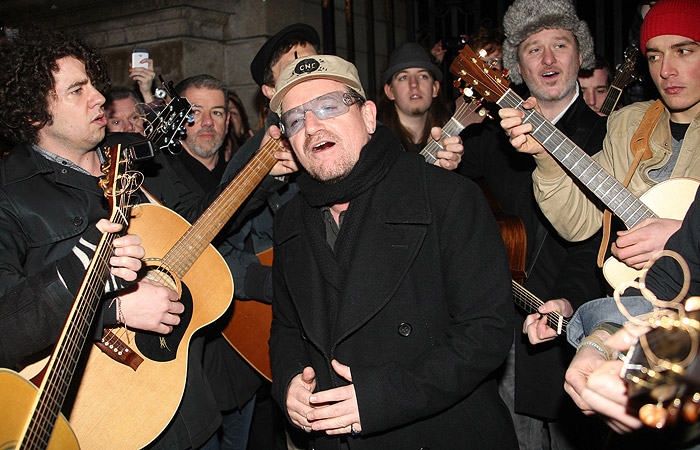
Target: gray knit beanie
527 17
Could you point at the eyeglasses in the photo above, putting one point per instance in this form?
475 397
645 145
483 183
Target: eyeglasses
327 106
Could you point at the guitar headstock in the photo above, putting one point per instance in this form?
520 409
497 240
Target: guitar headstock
486 80
118 179
164 126
662 372
628 70
469 110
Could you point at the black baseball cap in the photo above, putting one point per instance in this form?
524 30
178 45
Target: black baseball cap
297 31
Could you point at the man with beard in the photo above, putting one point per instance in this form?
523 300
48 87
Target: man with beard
391 286
203 161
545 46
411 105
670 41
201 167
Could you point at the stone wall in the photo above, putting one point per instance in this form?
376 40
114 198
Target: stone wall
184 38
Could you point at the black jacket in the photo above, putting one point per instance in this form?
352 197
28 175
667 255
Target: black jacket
555 267
424 320
44 209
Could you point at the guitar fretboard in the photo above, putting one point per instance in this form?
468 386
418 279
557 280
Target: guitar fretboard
66 355
462 117
603 185
191 245
614 94
529 303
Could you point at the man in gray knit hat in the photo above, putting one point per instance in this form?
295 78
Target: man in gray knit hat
546 44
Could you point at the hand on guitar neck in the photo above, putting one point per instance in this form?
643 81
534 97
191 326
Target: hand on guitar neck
604 391
286 162
519 132
126 261
452 150
537 326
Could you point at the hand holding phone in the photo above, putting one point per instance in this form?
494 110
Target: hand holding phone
138 55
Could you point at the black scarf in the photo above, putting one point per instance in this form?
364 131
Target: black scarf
376 158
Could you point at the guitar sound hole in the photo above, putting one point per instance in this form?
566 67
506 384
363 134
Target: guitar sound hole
158 347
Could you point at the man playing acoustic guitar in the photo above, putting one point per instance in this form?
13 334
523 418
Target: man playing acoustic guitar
532 380
670 38
50 203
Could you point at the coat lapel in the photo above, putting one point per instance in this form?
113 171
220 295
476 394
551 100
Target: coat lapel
390 239
302 276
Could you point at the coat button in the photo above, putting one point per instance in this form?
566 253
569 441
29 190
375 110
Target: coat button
77 221
405 329
425 448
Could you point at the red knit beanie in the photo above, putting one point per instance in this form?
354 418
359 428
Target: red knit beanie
679 17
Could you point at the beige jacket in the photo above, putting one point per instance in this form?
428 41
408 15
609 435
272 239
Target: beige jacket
572 210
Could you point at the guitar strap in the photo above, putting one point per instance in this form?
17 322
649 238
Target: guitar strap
639 145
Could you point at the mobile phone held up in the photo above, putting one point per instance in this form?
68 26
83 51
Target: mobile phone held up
137 55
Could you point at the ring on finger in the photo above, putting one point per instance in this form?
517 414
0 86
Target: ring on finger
353 431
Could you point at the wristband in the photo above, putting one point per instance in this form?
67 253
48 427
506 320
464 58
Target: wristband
598 343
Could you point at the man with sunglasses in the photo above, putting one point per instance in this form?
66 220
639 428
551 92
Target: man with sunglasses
388 319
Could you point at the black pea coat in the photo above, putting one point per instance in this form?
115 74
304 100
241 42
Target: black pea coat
424 319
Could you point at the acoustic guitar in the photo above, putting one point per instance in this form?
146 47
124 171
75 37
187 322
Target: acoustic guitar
32 419
132 387
670 199
662 373
626 73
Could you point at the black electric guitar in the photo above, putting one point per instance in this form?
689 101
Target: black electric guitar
32 419
670 199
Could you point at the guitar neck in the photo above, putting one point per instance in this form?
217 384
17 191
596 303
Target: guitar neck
465 115
603 185
529 303
451 128
611 99
66 355
191 245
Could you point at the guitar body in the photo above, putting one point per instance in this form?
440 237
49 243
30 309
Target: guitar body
669 199
248 331
17 397
143 401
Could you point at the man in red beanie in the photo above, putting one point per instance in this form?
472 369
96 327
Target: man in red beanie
670 38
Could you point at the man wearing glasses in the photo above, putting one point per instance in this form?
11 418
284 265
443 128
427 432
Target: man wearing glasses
391 286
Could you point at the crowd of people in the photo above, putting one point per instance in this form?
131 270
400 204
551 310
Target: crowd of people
393 321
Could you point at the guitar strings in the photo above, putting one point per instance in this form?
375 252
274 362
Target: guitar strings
526 298
190 246
606 187
452 127
54 387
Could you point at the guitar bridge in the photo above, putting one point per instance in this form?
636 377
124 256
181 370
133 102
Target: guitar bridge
115 348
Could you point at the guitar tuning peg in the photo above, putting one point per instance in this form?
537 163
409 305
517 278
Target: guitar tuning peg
674 411
653 415
692 304
690 408
457 83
